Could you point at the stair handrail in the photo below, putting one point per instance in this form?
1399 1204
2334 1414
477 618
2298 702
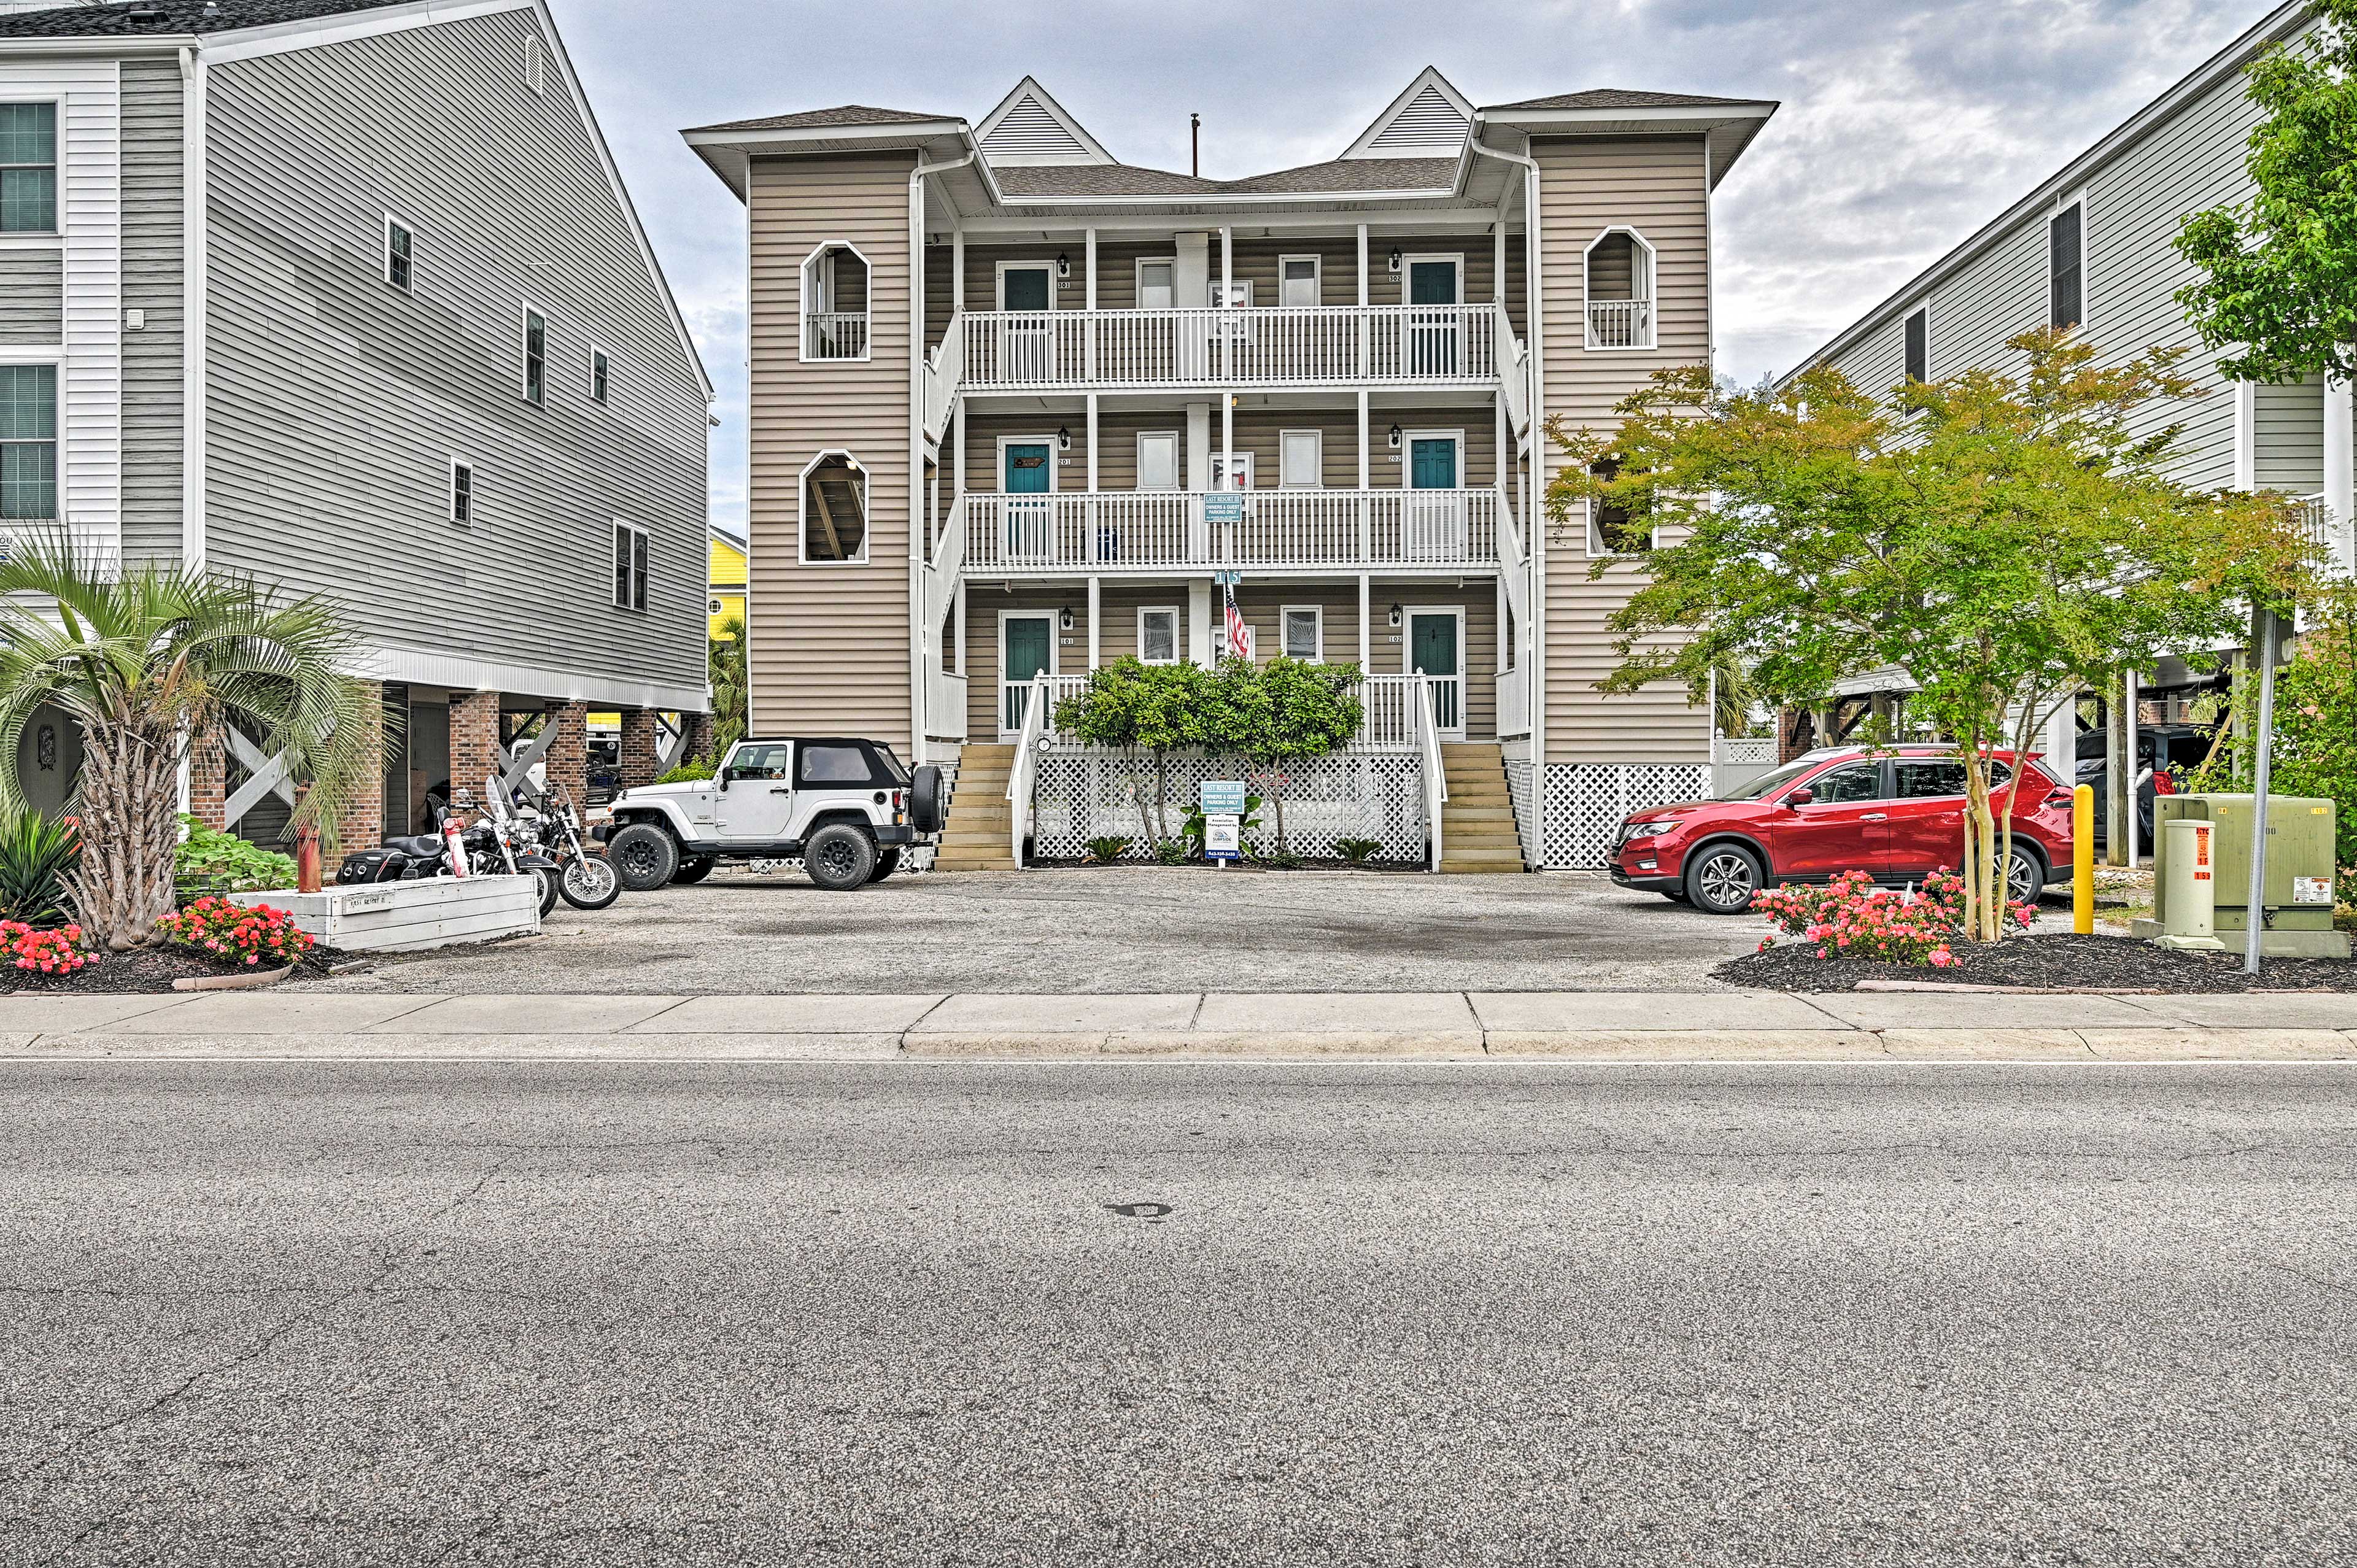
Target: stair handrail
1020 773
1427 746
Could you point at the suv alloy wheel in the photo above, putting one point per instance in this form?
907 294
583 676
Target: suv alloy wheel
1722 877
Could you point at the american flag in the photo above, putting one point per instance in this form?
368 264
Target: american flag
1239 634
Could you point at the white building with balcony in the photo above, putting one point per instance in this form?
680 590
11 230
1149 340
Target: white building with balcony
1020 409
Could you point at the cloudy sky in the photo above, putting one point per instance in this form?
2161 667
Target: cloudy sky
1906 123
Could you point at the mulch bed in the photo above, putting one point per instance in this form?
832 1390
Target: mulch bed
147 970
1307 863
2067 961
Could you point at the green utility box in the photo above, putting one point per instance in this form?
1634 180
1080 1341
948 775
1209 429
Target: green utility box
2298 894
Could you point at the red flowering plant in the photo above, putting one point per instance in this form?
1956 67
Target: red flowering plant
238 934
60 951
1849 916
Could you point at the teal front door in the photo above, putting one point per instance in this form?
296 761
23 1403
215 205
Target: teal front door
1432 640
1433 527
1432 464
1432 332
1025 300
1026 649
1030 471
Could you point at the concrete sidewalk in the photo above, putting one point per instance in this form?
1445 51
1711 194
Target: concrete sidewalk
1576 1025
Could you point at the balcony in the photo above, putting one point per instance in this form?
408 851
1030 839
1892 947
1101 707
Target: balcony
834 335
1324 346
1620 323
1300 531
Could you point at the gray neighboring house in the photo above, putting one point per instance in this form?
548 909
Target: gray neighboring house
2093 246
417 356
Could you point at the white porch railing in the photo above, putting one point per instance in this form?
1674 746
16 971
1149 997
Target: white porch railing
1111 532
2333 542
943 366
1620 323
1435 777
1312 346
1390 722
834 335
1026 761
1514 702
1516 385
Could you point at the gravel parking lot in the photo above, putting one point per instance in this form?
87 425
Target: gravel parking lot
1116 930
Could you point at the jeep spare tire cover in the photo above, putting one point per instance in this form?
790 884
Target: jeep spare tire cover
926 812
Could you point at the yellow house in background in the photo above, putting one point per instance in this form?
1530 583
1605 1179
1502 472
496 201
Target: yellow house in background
728 555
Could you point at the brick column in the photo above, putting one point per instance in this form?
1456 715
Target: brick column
358 820
568 757
208 779
640 750
699 735
474 753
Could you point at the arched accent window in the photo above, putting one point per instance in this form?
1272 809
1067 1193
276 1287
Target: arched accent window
834 302
1620 290
834 511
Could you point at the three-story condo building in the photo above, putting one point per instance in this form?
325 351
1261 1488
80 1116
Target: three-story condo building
1019 409
347 295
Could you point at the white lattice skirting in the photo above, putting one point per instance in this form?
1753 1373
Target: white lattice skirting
1521 788
1082 795
1586 800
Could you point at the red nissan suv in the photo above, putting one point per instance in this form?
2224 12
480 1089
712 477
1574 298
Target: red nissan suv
1898 813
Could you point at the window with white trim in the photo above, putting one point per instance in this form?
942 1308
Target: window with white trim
28 168
1300 458
600 376
536 357
834 511
28 443
1613 528
1298 281
630 567
1918 346
462 493
399 254
1157 459
1158 634
1619 283
1305 632
2065 299
1156 283
834 303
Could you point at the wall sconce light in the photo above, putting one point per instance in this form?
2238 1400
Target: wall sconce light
1395 615
1067 621
1393 437
1394 261
1063 439
1063 264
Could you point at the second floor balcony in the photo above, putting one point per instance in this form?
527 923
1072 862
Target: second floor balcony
1213 348
1142 532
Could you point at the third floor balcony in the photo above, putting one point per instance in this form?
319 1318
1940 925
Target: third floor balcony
1427 346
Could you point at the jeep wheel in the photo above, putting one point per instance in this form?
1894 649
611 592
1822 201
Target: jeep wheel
694 870
840 857
888 861
645 855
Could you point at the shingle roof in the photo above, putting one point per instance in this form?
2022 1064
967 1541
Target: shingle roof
821 119
1620 97
1127 179
138 18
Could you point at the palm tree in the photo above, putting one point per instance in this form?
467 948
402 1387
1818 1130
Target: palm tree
145 658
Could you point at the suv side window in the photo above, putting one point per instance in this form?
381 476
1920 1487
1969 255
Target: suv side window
834 765
1939 780
1851 782
759 761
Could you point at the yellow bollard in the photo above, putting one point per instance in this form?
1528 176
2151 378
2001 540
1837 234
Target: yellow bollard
2082 860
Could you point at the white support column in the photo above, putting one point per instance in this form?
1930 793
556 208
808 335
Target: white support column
2340 473
1095 616
2246 435
1366 343
958 632
1362 266
1366 628
1498 263
1090 296
1503 617
2134 822
956 447
1199 622
1091 547
1227 348
957 270
1090 333
1366 463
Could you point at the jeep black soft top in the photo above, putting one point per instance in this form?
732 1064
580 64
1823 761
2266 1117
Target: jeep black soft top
847 762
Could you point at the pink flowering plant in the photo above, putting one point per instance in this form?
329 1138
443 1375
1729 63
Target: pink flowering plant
1849 916
241 934
61 950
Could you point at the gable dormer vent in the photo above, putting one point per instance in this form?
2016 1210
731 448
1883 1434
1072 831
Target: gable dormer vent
1030 130
1428 126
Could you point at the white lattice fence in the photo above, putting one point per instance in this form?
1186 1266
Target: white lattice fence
1586 800
1521 780
1081 795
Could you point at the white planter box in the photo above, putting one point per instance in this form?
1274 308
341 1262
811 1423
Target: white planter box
406 916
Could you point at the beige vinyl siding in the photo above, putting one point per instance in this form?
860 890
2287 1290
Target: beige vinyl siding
32 297
154 388
1656 185
2290 428
1263 604
828 645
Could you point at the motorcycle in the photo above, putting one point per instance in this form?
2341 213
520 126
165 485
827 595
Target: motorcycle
495 844
587 881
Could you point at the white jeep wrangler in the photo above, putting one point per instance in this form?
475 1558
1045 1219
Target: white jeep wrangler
848 808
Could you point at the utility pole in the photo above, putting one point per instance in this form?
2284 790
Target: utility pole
2264 740
1195 140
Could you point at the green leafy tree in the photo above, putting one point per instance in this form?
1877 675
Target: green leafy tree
1301 711
144 657
1139 710
2005 539
2277 290
728 685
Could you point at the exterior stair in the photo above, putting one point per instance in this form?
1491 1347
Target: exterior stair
974 837
1477 823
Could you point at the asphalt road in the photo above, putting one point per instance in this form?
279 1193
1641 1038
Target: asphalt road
1422 1314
